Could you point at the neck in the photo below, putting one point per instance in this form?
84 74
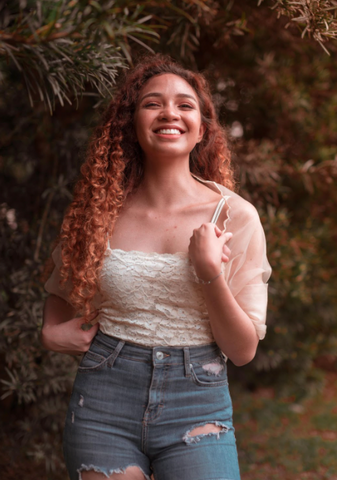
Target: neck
165 186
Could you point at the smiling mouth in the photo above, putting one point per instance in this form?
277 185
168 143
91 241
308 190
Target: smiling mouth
169 131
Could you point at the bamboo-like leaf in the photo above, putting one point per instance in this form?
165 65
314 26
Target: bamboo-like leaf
137 11
135 39
13 57
96 5
109 30
299 19
304 31
145 36
60 51
181 12
144 19
324 48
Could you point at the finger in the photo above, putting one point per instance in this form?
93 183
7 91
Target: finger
226 236
217 230
95 329
226 251
91 329
224 258
86 327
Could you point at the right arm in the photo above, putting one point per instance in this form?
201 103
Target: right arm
61 332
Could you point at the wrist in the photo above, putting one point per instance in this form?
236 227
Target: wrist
208 271
211 280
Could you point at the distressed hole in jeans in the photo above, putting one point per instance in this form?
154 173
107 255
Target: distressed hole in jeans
213 368
90 472
204 430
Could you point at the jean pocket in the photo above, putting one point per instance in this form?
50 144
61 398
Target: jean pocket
99 356
212 373
91 362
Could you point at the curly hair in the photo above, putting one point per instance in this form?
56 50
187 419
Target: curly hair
114 168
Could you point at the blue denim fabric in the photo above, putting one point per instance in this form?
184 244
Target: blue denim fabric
135 406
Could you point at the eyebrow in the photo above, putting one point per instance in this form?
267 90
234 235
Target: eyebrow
157 94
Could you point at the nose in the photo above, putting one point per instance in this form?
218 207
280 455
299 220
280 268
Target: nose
169 113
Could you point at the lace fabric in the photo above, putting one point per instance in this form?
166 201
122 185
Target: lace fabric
156 300
153 299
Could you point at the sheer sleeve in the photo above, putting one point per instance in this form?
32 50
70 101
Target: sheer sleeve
53 283
248 270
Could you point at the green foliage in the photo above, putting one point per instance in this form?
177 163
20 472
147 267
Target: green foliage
59 46
34 380
289 170
276 93
315 18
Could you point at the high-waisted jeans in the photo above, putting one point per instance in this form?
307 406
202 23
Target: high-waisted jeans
138 406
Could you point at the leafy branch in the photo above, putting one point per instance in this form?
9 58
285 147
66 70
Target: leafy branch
315 18
59 45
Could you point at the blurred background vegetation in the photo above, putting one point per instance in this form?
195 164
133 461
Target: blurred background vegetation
271 65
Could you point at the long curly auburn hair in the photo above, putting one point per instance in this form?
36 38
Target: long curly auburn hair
114 168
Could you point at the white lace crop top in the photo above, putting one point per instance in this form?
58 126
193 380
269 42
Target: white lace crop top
154 299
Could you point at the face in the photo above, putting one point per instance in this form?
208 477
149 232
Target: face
168 118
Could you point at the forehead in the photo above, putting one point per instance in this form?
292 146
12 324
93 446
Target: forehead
167 84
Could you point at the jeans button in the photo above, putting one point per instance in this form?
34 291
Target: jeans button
160 355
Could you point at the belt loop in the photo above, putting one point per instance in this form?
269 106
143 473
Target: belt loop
187 361
114 355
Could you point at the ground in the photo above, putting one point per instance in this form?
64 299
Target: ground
282 440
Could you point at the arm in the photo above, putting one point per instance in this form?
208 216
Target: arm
232 327
61 332
233 330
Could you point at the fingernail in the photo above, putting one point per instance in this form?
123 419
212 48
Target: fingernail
86 326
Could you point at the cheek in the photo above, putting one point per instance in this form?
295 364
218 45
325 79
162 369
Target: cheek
142 122
196 122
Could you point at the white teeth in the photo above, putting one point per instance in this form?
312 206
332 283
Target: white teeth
169 131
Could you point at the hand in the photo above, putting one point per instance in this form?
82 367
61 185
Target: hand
68 337
208 250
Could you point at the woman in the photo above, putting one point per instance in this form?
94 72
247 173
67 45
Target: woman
175 266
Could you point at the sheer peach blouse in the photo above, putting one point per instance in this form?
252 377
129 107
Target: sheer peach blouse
154 299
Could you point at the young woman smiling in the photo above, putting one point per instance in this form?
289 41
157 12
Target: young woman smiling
174 265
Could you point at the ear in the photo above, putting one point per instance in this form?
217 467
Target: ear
202 130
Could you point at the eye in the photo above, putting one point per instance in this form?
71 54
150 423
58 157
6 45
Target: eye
151 104
186 105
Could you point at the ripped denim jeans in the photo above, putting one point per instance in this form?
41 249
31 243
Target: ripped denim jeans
166 410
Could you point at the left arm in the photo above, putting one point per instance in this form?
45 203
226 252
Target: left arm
232 328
